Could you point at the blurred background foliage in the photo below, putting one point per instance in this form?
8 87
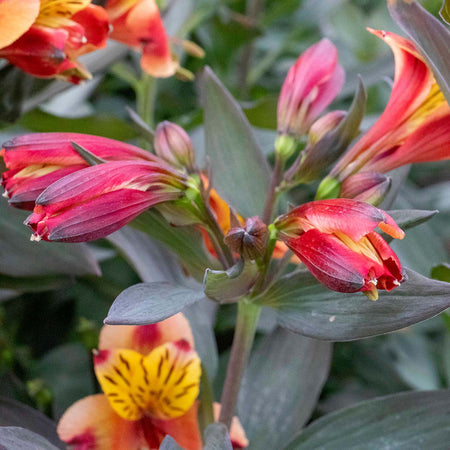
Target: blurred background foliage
51 313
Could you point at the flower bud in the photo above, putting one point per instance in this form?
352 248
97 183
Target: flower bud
310 86
325 124
370 187
173 145
249 241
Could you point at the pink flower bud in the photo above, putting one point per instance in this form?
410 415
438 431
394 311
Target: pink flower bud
325 124
310 86
173 145
370 187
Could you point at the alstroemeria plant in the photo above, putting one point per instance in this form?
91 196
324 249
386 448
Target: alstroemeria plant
80 188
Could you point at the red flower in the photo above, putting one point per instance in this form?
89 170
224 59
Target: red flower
336 241
310 86
137 23
94 202
37 160
48 36
415 126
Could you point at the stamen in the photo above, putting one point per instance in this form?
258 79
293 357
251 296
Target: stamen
35 238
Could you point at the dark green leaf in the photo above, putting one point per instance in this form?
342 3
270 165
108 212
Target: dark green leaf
21 258
106 126
445 11
216 437
413 420
15 87
146 303
241 174
33 284
66 370
430 36
185 242
441 272
14 414
16 438
306 307
225 286
295 368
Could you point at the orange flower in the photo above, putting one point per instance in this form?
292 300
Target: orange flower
137 23
150 376
45 38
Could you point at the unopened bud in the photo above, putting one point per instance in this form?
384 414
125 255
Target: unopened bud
325 124
370 187
249 241
285 146
173 145
328 188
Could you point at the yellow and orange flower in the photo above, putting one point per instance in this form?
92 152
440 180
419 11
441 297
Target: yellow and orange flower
45 37
137 23
150 376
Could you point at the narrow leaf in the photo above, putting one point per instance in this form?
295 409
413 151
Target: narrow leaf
306 307
147 303
409 218
429 35
401 421
140 125
295 368
227 286
88 156
185 242
241 173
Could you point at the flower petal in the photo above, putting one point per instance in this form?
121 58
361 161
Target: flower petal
162 385
351 217
183 429
16 17
92 424
144 338
145 22
56 148
93 219
330 261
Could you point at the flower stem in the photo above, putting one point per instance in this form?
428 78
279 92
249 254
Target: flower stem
272 195
145 99
247 319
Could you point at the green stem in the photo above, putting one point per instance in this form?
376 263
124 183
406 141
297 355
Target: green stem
247 319
272 194
145 99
